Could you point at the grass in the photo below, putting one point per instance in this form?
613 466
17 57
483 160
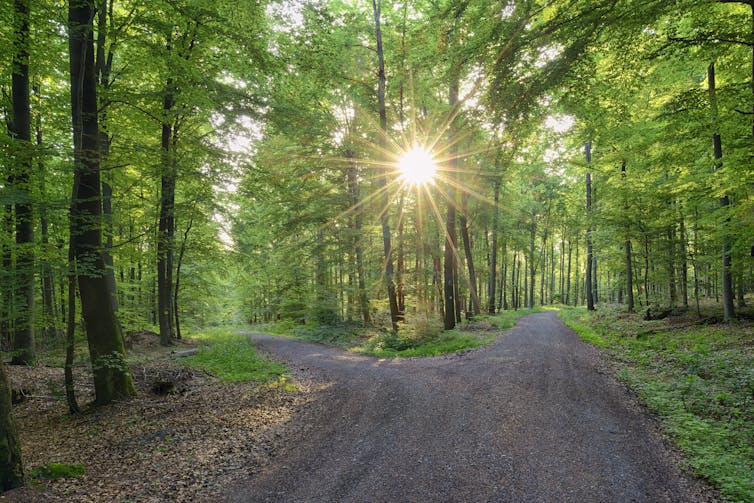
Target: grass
698 378
420 336
451 341
232 357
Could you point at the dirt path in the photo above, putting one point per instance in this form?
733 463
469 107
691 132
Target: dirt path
530 418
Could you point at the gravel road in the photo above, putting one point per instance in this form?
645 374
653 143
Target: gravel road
533 417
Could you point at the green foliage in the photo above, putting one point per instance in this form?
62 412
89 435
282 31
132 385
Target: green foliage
573 318
342 335
55 471
232 357
387 345
323 314
507 319
698 378
420 336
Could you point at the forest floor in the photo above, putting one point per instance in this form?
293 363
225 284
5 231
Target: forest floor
535 416
184 446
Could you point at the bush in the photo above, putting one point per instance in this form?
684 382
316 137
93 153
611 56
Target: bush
422 328
323 315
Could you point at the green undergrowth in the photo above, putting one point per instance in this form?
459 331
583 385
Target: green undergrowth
55 471
419 336
698 378
232 357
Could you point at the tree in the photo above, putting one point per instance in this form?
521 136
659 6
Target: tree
493 252
384 216
11 466
112 377
20 129
589 252
727 276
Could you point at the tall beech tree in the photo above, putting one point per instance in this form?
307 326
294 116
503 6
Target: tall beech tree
717 147
383 137
112 377
589 286
20 129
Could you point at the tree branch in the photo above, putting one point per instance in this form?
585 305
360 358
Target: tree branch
137 107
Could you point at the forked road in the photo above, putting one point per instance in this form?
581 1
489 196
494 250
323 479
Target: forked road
530 418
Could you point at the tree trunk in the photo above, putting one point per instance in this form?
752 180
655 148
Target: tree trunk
493 257
400 263
646 270
727 279
526 281
20 130
684 264
451 244
103 64
49 305
6 273
356 241
695 264
503 299
475 304
672 290
166 226
181 252
457 289
112 377
552 271
532 265
385 214
627 249
629 278
568 275
514 281
589 251
70 336
11 467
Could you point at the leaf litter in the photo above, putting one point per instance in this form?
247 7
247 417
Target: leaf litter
190 444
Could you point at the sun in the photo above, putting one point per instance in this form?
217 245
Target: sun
417 167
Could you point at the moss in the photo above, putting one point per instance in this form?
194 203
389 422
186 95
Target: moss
55 471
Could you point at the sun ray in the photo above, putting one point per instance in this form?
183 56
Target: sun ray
416 166
441 222
467 189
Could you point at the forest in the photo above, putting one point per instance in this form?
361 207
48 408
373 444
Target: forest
399 168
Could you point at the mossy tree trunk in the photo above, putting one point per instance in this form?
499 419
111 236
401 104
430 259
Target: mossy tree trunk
11 467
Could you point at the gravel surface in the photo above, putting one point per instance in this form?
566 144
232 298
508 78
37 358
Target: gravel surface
533 417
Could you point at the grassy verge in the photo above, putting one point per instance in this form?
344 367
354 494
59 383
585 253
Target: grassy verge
232 357
421 336
698 378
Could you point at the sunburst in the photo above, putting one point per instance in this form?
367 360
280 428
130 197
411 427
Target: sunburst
417 167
